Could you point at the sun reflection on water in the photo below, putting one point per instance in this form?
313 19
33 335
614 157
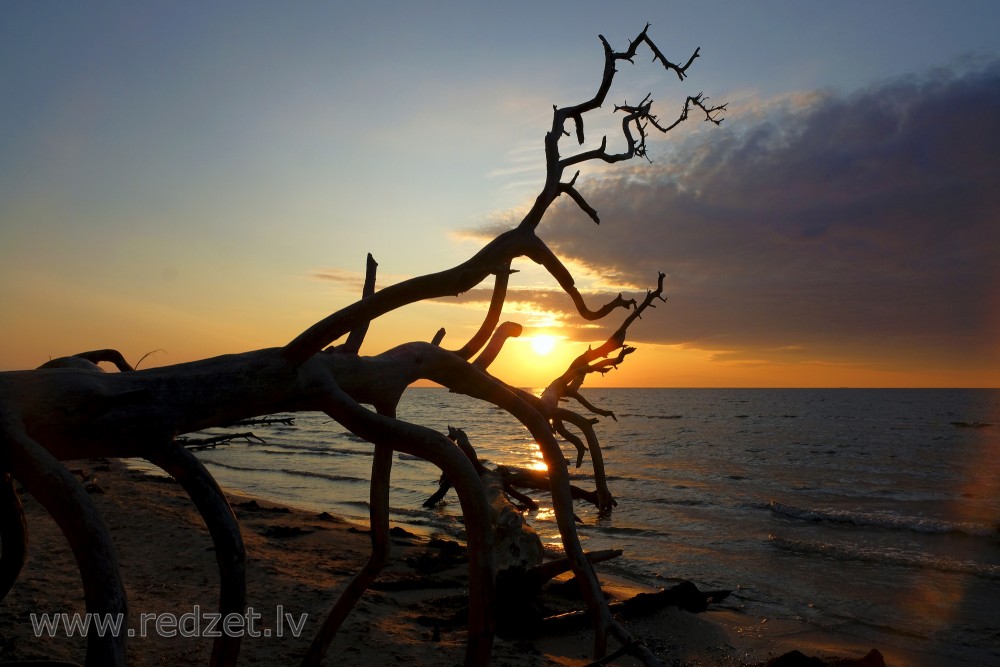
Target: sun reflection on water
538 462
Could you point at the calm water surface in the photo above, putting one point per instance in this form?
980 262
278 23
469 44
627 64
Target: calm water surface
871 512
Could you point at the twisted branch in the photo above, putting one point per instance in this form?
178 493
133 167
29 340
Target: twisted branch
52 485
230 554
492 314
357 335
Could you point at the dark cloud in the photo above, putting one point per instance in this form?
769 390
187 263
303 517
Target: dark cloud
848 226
351 280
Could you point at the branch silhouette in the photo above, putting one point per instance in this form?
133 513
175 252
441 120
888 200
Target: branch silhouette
70 409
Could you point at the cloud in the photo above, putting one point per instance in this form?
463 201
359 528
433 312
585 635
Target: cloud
528 306
822 225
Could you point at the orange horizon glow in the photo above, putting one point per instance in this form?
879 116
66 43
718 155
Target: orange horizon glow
678 366
533 361
530 361
195 331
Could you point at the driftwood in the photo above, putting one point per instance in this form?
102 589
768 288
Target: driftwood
199 444
684 595
71 409
539 481
265 421
515 543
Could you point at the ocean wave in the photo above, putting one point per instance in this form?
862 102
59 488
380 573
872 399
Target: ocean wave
298 452
633 414
323 475
230 466
628 530
856 553
298 448
347 435
885 520
285 471
626 478
356 503
683 502
309 450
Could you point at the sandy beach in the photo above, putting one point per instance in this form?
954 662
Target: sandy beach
298 561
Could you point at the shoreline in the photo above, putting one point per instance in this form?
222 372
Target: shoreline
297 563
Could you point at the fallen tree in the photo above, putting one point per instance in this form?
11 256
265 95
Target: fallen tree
71 409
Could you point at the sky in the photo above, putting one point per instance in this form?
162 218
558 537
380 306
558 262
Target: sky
192 179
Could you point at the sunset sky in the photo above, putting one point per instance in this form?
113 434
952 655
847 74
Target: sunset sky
204 178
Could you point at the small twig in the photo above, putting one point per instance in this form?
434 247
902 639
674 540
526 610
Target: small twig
200 444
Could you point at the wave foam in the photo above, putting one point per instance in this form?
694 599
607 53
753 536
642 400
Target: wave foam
887 520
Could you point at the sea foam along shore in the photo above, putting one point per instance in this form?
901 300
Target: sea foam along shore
298 561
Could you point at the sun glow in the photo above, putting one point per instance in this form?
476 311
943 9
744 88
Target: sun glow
538 461
543 344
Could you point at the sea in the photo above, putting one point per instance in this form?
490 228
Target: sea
870 513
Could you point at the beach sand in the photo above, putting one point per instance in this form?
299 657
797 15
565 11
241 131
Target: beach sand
299 561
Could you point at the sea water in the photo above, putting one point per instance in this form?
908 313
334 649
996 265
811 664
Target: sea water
874 513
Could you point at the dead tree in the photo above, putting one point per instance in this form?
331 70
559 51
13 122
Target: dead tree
70 409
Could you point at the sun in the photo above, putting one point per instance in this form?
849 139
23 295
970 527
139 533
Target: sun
543 344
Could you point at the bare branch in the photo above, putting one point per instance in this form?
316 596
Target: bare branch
567 188
544 256
515 242
638 116
357 335
496 254
500 336
55 488
581 448
230 553
378 502
590 407
143 357
433 446
492 314
567 385
605 501
712 114
199 444
94 357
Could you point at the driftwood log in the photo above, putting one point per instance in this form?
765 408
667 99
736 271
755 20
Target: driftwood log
71 409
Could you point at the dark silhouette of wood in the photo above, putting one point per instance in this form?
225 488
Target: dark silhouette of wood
199 444
684 595
13 534
71 409
230 553
265 421
91 358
